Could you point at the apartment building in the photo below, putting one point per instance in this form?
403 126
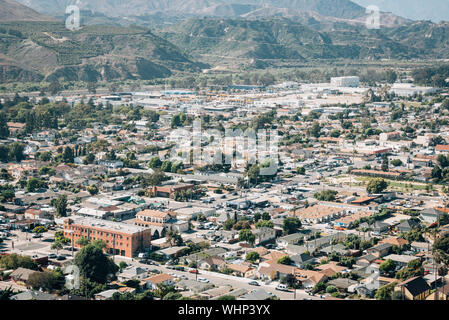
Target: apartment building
121 238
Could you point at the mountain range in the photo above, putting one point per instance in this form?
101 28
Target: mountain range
189 36
13 11
150 12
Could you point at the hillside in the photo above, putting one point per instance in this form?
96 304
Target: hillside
276 41
11 10
47 50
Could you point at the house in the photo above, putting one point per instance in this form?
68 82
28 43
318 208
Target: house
379 227
294 238
271 270
420 246
301 260
154 281
401 259
415 288
407 225
309 278
379 250
258 294
214 263
339 248
33 295
132 273
331 268
365 260
111 164
21 275
105 295
442 293
194 286
242 270
264 235
430 215
395 241
342 283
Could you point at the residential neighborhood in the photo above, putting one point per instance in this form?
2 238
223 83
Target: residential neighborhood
106 202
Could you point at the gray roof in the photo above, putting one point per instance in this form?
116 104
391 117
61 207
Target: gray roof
258 294
33 295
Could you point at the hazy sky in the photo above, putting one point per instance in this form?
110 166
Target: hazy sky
435 10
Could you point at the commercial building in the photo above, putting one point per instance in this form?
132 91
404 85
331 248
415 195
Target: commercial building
345 82
120 238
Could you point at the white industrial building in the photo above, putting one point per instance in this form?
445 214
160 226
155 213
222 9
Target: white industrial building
345 82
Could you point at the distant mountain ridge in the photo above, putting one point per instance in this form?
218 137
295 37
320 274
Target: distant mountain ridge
342 9
13 11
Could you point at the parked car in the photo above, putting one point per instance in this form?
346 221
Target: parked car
281 287
204 280
194 271
52 256
254 283
60 258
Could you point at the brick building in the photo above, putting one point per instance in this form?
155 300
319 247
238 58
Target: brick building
121 238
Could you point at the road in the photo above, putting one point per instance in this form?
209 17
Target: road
219 279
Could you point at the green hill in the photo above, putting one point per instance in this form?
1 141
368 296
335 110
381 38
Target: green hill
48 50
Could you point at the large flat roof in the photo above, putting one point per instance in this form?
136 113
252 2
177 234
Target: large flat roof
107 225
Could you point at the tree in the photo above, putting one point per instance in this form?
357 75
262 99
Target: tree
82 242
301 170
291 225
387 266
247 235
14 261
252 256
155 163
315 130
266 216
228 224
174 238
39 230
61 205
33 184
396 162
4 129
326 195
6 294
92 189
94 264
331 289
16 151
441 249
57 245
285 260
376 185
68 156
264 224
385 292
156 178
242 224
54 87
47 281
385 163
